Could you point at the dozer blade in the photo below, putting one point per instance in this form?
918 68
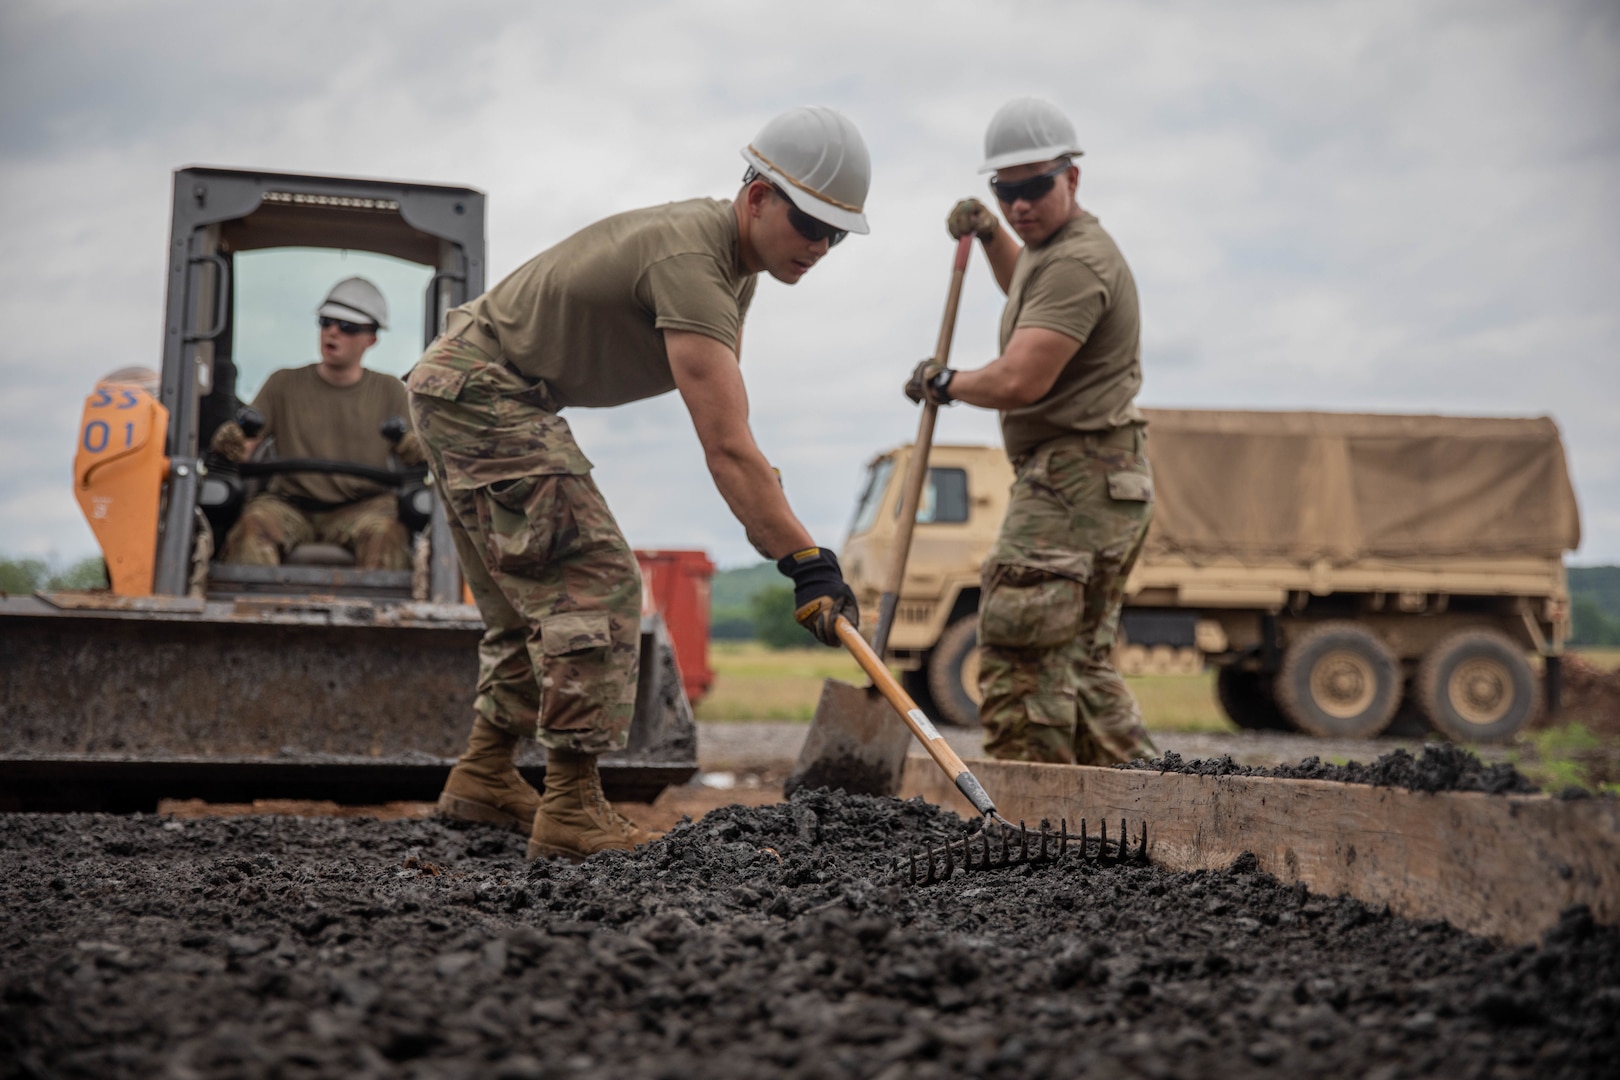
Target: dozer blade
114 704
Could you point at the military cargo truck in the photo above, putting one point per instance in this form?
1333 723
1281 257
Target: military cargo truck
1341 571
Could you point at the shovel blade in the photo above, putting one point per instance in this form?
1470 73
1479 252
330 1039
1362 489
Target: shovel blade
856 742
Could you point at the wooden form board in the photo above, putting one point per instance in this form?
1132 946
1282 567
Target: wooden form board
1501 866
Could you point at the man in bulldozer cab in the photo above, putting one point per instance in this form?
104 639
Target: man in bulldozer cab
334 410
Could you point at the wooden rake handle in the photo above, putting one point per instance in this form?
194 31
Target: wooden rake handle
917 467
920 725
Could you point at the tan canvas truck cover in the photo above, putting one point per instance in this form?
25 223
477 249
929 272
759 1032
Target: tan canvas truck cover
1307 486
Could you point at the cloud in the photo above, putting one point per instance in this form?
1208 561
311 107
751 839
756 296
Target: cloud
1349 205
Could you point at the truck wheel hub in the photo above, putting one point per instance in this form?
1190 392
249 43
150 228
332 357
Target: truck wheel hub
1343 684
1479 691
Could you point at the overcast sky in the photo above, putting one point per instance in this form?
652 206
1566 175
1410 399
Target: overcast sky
1366 205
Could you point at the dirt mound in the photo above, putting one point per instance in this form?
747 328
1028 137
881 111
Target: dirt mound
1440 767
758 942
1591 698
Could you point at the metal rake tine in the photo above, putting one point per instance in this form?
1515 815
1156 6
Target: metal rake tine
1085 850
1124 835
1023 844
1063 837
1102 845
950 861
1141 851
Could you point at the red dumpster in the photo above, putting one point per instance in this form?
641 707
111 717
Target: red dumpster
676 585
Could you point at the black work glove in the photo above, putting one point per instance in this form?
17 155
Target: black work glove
930 381
820 595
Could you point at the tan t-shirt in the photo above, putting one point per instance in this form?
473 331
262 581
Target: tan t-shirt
311 418
1077 283
586 315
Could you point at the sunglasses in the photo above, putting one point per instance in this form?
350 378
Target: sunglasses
346 327
807 226
1036 187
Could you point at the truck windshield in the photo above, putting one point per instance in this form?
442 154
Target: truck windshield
866 509
278 289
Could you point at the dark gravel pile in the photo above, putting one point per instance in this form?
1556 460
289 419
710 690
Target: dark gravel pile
755 943
1440 767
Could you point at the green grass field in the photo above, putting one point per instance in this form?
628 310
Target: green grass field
753 682
1604 656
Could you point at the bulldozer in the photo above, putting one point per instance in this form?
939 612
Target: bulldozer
192 678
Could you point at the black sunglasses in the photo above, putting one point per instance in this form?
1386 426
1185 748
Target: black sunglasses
346 327
1036 187
807 226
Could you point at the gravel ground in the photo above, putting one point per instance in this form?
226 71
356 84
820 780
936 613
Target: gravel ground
759 942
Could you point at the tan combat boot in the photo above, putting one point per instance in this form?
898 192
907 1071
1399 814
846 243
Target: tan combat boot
485 786
575 819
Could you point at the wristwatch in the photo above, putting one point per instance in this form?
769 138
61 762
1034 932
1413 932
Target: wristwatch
940 385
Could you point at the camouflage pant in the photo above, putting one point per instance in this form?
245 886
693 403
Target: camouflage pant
553 577
270 527
1049 610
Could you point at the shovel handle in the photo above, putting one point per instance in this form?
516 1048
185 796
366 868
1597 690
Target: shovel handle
917 467
920 725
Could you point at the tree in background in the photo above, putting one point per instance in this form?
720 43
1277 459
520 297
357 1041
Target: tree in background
772 609
19 577
1591 626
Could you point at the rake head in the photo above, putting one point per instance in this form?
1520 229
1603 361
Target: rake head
1020 847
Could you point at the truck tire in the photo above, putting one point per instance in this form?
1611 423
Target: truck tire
1338 680
1477 686
915 684
1247 699
953 673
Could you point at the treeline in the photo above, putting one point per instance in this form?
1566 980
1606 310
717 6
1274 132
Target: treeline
20 577
1595 605
754 603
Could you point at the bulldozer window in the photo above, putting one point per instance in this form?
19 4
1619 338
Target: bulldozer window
278 289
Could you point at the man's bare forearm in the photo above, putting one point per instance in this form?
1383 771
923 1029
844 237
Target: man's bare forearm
750 487
1001 252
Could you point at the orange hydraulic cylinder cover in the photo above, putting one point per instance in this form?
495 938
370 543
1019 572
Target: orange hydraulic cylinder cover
118 476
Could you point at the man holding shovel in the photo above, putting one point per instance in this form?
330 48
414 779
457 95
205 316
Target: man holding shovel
634 306
1065 384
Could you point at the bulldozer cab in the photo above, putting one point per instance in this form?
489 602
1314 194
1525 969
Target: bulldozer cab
234 236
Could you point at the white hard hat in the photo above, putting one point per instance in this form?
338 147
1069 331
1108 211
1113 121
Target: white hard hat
1025 131
355 299
815 155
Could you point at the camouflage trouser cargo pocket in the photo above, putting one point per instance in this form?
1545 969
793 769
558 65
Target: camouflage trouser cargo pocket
1126 486
575 632
1029 607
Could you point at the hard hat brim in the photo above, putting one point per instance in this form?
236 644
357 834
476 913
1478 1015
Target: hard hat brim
838 217
334 310
1030 157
